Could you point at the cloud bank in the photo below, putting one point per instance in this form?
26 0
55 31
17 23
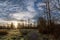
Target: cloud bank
25 9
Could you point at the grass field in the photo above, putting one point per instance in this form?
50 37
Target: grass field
22 34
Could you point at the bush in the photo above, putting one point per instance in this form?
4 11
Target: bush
3 32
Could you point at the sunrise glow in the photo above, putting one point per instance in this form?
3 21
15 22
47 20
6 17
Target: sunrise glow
15 24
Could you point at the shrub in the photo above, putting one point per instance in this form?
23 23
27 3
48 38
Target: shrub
3 32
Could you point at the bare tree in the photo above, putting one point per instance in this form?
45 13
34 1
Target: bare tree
12 26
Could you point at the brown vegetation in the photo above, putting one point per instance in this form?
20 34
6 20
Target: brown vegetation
3 32
52 29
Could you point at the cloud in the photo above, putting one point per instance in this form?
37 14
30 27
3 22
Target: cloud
24 9
41 5
30 7
17 9
23 15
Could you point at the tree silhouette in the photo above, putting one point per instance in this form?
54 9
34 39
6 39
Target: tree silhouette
18 26
12 26
42 25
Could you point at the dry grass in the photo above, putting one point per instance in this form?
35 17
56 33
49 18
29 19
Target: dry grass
3 32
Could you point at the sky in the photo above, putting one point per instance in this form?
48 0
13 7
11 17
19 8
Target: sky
14 10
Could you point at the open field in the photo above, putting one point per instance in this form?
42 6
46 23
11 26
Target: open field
23 34
13 34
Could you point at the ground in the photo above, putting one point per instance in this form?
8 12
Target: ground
23 34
